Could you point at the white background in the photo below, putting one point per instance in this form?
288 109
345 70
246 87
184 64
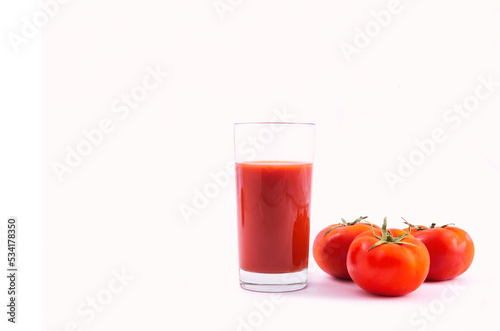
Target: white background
118 209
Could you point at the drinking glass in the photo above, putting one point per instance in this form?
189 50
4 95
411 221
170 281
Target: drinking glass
273 165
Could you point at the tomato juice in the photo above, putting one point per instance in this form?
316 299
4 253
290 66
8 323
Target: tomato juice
273 205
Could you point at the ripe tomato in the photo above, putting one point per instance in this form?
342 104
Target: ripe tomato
388 262
332 243
451 250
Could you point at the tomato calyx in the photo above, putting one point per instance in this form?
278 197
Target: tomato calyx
345 223
387 237
433 225
419 228
416 227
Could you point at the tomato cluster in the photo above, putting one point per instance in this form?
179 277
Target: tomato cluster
392 262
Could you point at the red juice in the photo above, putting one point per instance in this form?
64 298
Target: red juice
273 204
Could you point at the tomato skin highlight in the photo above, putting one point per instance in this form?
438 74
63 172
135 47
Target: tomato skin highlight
330 250
451 251
389 269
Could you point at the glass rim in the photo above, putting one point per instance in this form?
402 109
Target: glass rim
268 123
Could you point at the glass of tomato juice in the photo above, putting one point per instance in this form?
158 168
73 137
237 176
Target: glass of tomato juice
273 165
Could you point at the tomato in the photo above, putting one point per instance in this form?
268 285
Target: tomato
451 250
332 243
388 262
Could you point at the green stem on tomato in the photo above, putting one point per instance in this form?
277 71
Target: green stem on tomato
387 237
433 225
345 223
417 227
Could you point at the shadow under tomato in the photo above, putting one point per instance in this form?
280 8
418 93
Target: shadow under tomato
323 286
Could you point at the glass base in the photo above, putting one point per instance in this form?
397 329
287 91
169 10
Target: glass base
262 282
